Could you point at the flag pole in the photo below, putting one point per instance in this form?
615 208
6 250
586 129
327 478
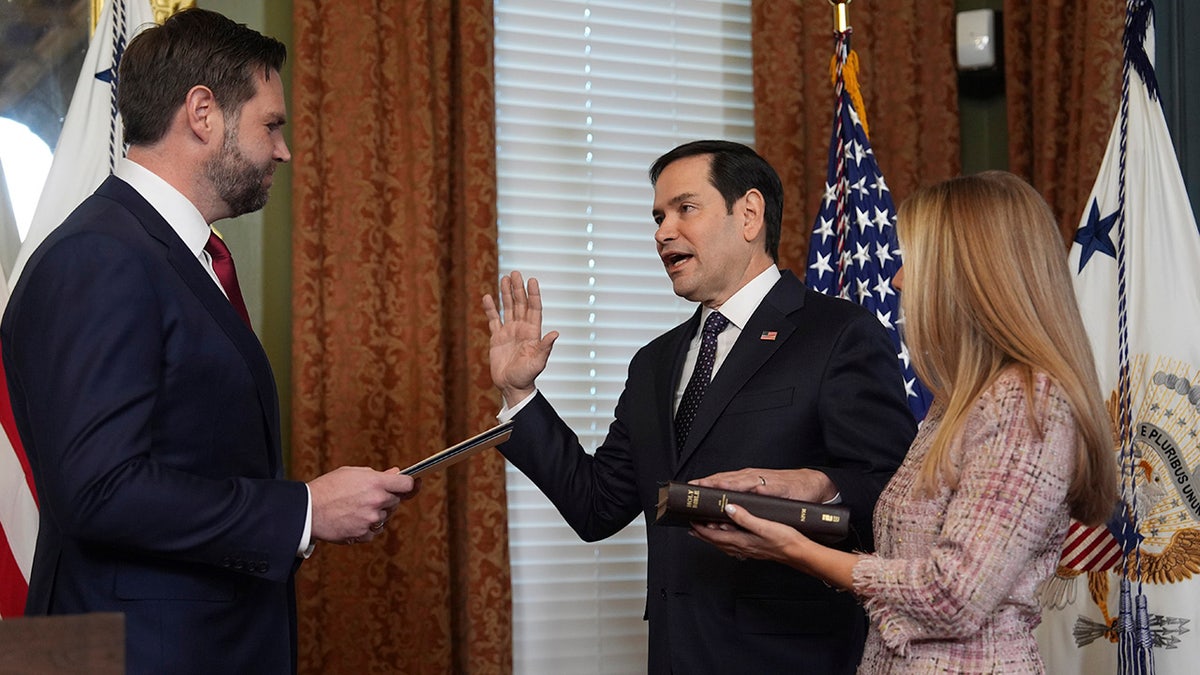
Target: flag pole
841 18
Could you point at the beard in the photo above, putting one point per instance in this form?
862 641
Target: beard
239 182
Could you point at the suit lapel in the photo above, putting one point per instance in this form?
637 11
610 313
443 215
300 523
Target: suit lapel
750 353
196 278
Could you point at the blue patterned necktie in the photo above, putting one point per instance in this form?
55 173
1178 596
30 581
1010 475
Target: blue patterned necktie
701 375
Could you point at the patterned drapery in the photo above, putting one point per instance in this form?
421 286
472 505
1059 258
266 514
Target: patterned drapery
1063 81
394 245
909 86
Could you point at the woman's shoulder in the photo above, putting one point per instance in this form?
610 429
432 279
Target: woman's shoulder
1017 381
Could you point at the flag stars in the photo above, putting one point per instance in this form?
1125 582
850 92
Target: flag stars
853 152
860 153
822 265
1096 235
863 289
883 219
903 355
883 253
863 219
885 318
884 288
825 229
880 185
860 186
831 194
862 254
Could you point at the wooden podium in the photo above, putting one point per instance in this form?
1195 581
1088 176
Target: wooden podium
58 645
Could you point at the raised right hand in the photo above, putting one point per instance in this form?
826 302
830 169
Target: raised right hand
518 351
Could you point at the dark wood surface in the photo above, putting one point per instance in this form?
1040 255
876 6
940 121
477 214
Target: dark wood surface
45 645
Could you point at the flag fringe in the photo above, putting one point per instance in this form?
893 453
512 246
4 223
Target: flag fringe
850 80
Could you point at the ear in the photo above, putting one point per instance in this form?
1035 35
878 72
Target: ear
202 113
753 209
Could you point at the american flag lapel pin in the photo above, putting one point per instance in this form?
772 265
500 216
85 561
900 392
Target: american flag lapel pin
768 335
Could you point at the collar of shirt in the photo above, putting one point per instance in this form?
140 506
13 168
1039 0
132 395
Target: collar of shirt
179 212
742 304
738 309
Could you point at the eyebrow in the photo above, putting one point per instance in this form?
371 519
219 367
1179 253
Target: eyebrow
682 197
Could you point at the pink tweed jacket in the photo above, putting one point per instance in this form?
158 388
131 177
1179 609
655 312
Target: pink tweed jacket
951 587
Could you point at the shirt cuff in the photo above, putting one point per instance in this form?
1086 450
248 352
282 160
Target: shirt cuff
506 413
306 546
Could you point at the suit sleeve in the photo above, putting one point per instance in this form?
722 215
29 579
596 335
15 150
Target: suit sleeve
596 494
865 419
87 363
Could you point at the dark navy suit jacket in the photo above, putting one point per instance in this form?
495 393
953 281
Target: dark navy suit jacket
150 417
825 393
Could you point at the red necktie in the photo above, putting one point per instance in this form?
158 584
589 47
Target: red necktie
222 263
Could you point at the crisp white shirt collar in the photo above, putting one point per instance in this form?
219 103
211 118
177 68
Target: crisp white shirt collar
180 213
742 304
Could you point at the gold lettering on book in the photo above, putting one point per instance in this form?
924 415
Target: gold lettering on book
693 498
830 518
803 514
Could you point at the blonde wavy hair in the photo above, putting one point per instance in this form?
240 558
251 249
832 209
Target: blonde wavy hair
987 288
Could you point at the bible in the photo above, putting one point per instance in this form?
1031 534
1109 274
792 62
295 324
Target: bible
457 453
680 504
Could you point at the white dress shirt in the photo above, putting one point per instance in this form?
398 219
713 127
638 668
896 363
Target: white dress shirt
738 309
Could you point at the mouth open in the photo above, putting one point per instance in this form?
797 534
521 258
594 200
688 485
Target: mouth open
673 261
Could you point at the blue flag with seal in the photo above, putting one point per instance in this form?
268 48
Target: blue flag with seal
853 252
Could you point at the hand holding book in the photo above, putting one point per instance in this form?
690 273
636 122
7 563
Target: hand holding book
679 504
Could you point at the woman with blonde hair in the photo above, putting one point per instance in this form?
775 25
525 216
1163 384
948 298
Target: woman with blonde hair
1017 441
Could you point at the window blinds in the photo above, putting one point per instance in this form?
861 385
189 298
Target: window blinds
588 94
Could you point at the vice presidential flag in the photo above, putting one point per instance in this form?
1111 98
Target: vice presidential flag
853 252
84 156
1136 259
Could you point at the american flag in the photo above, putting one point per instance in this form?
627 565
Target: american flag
853 253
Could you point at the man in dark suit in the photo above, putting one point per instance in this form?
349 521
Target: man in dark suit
806 401
142 395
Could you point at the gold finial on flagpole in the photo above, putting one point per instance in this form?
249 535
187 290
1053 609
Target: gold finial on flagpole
161 8
841 20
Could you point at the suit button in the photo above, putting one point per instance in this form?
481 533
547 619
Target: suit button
663 593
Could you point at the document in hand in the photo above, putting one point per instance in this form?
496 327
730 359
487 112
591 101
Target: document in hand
457 453
681 503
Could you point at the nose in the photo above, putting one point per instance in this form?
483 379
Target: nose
282 154
898 280
665 232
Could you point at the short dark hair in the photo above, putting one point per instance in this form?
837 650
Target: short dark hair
193 47
734 169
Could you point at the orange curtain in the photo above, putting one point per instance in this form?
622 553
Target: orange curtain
1063 81
394 245
909 84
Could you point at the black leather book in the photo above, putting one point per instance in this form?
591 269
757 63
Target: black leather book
680 503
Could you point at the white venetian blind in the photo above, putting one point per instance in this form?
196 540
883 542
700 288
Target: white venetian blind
588 94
